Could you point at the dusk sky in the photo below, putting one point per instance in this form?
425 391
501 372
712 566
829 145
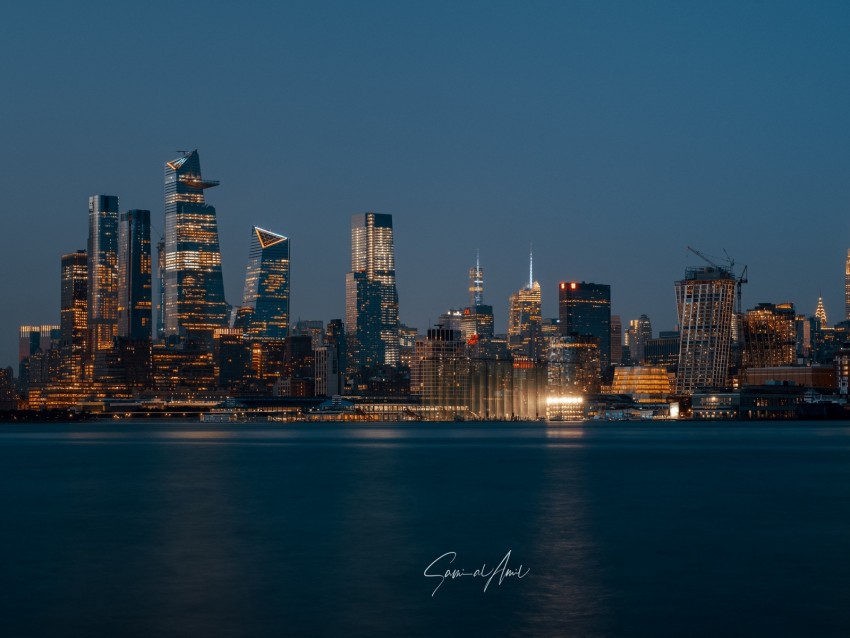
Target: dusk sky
609 135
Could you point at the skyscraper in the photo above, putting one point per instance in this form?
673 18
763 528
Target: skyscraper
194 288
847 286
524 319
820 313
477 323
585 309
134 275
371 298
73 324
102 274
267 286
705 300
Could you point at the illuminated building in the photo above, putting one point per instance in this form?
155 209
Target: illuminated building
407 344
39 357
102 274
267 286
194 289
585 309
134 275
74 314
847 286
524 319
705 301
160 292
639 332
476 321
371 298
441 371
820 313
770 336
335 339
573 365
645 384
476 284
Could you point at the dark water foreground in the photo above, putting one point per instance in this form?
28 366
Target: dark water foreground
652 530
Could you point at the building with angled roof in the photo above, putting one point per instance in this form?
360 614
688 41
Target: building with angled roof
194 305
265 303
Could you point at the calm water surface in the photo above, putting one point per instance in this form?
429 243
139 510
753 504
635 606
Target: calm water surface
168 529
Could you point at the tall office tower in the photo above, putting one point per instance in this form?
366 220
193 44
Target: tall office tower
476 283
134 275
477 322
103 274
770 336
525 337
194 288
160 292
73 323
39 359
371 298
820 313
639 332
266 297
616 340
705 301
585 309
847 286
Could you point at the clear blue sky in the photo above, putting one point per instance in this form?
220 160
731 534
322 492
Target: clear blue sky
611 135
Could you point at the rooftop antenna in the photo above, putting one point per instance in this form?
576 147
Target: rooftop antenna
530 266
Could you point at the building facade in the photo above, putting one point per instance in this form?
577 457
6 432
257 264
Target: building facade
585 309
134 276
705 301
73 322
266 293
371 298
194 305
102 274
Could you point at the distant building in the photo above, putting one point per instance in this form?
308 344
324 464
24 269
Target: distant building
585 309
616 340
847 286
524 320
73 314
639 332
266 296
770 336
705 301
663 350
371 298
820 312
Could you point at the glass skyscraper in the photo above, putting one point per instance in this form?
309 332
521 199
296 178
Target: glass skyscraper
102 273
134 275
266 300
585 309
194 288
73 322
371 298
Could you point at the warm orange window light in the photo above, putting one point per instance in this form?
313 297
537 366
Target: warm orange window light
573 285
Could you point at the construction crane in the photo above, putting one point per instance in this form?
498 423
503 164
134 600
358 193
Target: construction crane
742 279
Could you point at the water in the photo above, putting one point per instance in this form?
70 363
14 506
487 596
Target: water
167 529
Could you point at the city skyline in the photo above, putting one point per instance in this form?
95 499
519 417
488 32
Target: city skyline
610 137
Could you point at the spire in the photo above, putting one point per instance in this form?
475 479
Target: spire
530 266
820 313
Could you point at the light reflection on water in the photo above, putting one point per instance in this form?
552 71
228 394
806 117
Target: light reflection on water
218 530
